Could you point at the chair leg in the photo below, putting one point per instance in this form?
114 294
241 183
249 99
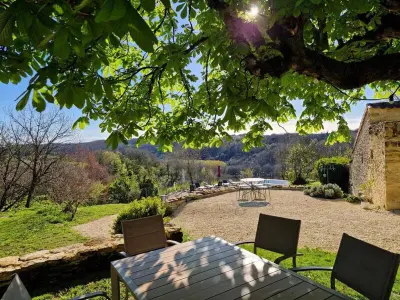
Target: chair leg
126 293
294 262
333 283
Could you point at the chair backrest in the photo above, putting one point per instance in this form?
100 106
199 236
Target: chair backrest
365 268
16 290
143 235
277 234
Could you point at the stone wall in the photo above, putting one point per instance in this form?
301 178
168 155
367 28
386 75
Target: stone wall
375 168
392 164
360 158
49 266
45 267
376 183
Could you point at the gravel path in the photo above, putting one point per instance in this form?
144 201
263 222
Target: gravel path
98 230
323 221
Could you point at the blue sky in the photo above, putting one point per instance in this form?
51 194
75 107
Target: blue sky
10 92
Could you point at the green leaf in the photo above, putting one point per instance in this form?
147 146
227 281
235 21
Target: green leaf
166 3
114 139
79 96
78 48
7 21
38 101
65 95
108 90
49 97
61 47
24 100
83 4
184 12
140 31
46 40
148 5
81 122
111 10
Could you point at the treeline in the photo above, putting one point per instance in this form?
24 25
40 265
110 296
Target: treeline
35 166
269 161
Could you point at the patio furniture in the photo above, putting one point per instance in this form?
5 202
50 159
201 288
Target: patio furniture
17 291
145 234
252 189
211 268
367 269
278 235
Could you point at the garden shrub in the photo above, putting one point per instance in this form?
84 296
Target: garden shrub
340 173
328 191
124 190
98 194
353 199
139 209
147 188
51 212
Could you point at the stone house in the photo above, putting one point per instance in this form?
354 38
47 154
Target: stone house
375 165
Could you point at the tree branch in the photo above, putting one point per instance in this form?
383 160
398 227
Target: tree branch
195 44
288 36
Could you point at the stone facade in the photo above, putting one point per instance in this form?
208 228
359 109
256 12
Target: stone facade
375 167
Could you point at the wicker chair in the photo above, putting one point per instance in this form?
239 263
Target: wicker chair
278 235
16 290
143 235
367 269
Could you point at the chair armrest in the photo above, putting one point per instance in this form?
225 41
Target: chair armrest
171 242
311 268
92 295
244 242
282 258
123 254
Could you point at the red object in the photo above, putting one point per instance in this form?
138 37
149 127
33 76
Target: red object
219 172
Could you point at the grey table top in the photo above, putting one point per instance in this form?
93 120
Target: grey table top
212 268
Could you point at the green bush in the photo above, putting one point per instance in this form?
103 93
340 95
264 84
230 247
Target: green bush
139 209
353 199
328 191
124 190
98 194
147 189
339 174
51 212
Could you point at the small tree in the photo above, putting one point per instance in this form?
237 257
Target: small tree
37 137
70 186
247 173
300 161
12 172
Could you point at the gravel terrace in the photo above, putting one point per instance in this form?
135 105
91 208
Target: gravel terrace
323 221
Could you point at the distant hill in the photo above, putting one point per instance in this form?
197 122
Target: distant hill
264 160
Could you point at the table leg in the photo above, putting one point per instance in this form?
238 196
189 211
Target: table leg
115 291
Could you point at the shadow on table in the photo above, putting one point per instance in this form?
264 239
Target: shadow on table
208 268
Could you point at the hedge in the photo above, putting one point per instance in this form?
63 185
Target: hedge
340 173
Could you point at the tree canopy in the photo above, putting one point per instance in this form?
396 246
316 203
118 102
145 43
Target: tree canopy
132 64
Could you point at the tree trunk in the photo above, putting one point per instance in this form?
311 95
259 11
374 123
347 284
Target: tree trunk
31 192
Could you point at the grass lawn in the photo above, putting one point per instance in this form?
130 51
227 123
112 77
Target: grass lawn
311 257
29 230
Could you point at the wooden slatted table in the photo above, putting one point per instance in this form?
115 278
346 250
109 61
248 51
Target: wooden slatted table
211 268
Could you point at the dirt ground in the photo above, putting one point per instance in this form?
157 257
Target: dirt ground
323 221
99 229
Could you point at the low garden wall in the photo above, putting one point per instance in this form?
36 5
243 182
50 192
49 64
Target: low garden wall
174 202
50 266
